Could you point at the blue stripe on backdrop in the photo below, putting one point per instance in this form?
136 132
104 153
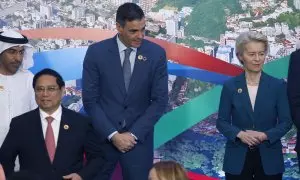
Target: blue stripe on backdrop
68 62
195 73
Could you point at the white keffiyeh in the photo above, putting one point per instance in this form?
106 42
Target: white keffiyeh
28 53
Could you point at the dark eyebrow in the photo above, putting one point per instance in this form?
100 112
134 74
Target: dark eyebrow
14 49
133 30
47 86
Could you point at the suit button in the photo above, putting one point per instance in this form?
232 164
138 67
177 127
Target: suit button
120 123
125 107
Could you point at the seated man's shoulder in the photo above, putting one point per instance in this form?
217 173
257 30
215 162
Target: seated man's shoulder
24 119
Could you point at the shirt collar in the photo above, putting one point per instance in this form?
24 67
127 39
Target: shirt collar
122 46
56 114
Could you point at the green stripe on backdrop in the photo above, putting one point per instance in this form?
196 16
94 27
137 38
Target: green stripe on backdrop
192 112
278 68
185 116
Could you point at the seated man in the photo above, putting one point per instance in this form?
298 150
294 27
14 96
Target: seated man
50 140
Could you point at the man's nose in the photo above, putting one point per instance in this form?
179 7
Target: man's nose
141 34
45 92
19 57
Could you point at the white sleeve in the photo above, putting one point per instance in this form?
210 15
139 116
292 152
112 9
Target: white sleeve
32 102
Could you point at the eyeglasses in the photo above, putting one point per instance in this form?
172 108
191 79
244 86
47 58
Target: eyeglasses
49 89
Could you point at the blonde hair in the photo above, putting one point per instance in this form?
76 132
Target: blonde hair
170 170
247 37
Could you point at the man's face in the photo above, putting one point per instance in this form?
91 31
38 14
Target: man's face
11 60
132 33
48 95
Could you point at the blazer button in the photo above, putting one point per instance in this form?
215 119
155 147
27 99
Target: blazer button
125 107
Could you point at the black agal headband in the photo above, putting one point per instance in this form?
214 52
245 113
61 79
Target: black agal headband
12 40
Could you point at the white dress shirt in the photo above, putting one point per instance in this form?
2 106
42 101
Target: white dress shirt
252 94
16 98
122 48
55 123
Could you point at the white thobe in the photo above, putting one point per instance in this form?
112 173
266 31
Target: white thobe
16 98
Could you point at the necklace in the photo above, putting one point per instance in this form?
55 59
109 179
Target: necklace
252 83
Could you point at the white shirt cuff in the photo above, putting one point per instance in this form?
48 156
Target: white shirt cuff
111 135
134 136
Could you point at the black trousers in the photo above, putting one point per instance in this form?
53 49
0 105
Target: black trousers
253 169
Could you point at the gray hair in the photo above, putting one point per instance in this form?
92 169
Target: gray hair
247 37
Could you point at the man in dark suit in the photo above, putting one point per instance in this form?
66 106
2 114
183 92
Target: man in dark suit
125 91
50 140
293 88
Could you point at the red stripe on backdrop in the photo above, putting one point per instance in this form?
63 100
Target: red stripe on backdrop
178 53
194 176
191 57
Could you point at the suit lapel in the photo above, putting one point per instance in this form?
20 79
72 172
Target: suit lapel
138 70
62 140
115 63
244 95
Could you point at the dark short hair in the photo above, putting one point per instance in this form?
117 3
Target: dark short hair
59 80
129 12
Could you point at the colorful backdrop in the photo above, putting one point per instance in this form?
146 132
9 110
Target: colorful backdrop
199 37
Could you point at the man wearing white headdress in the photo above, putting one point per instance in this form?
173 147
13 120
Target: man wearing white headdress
16 92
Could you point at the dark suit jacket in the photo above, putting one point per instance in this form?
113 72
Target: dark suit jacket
104 95
294 91
25 138
271 115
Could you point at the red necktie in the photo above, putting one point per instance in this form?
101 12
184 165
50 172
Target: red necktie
49 139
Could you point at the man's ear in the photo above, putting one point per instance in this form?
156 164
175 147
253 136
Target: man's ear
119 27
63 90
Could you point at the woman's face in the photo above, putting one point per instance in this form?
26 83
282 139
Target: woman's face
253 56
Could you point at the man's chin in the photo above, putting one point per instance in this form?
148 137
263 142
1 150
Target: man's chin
13 70
136 45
